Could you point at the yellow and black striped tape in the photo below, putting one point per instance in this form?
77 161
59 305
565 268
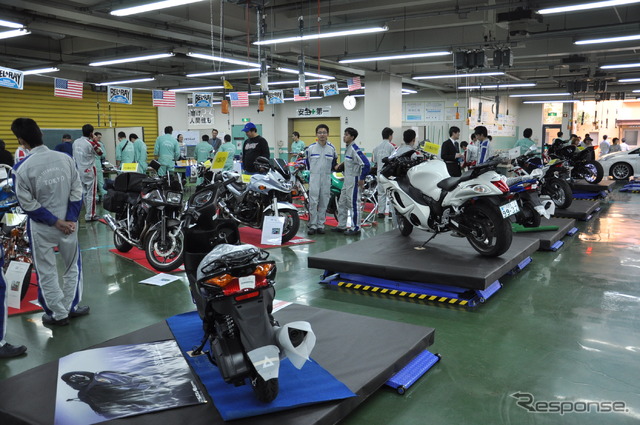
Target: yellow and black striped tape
399 293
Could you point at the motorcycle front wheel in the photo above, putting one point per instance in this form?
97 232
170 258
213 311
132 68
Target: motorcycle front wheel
265 391
121 244
403 225
491 234
161 255
560 193
593 172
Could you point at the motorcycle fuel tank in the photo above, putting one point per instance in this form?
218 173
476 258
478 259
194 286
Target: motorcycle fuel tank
426 176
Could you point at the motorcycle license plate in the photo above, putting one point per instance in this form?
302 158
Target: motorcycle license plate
509 209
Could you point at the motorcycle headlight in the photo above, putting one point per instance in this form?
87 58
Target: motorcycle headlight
174 197
287 185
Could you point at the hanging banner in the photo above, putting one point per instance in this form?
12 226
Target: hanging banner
200 117
11 78
275 97
330 89
322 111
122 95
203 100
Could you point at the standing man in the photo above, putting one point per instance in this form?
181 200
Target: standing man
49 190
297 145
484 147
167 149
604 146
321 159
22 152
84 154
125 151
66 146
227 146
525 143
356 167
97 139
253 147
623 145
203 152
141 152
450 152
382 151
215 140
409 139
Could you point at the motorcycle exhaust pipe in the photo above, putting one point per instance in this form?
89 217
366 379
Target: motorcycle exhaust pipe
111 222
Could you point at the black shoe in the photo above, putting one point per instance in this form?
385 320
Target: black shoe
48 320
320 231
381 215
352 232
81 310
311 232
8 350
338 230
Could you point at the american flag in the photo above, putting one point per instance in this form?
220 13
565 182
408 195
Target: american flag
298 98
67 88
354 83
164 98
239 98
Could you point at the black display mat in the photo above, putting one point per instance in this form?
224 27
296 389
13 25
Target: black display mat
549 237
580 209
447 260
360 351
583 186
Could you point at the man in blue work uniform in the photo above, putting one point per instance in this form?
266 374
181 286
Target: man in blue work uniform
66 146
484 144
48 188
321 158
356 168
167 150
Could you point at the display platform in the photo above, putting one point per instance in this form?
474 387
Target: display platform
551 240
346 347
583 186
447 260
580 210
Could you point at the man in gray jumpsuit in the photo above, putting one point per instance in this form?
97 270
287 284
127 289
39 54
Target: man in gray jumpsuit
48 188
84 154
382 151
321 158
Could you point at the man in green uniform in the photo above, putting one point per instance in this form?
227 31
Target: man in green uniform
297 145
203 152
227 146
167 150
125 151
141 152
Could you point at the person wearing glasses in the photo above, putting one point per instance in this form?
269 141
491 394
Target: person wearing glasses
321 158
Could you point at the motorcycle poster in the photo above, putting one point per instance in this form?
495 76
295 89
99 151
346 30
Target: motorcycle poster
114 382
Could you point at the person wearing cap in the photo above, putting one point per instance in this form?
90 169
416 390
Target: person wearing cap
253 147
66 146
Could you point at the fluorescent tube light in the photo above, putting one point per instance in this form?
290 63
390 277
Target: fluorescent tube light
40 71
636 91
331 34
621 65
609 39
310 98
10 24
393 57
496 86
347 88
151 6
308 74
232 71
14 33
197 88
221 59
132 59
586 6
629 80
540 94
409 91
139 80
476 74
550 101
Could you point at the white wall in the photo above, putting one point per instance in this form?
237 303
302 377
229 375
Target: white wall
530 116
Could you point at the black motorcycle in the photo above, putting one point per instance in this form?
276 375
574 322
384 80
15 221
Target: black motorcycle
556 179
583 162
147 216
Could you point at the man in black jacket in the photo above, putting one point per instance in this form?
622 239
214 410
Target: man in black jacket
450 152
253 147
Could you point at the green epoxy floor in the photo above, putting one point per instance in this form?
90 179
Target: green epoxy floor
565 329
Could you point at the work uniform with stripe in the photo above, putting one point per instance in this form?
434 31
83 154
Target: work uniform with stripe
84 155
484 151
382 151
356 168
48 188
320 162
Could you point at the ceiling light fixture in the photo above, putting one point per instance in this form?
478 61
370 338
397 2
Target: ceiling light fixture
347 88
197 88
132 59
609 39
540 94
586 6
310 98
151 6
14 33
138 80
330 34
636 91
10 24
496 86
308 74
409 91
225 60
232 71
475 74
550 101
629 80
621 65
394 57
282 83
40 71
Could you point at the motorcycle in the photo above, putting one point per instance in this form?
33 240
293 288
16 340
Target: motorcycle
476 205
532 209
233 288
147 216
583 162
266 194
300 177
555 179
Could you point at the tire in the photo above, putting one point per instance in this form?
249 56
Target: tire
403 225
265 391
531 216
621 171
121 244
291 224
164 264
492 234
593 172
560 193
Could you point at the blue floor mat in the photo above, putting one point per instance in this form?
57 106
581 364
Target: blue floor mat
309 385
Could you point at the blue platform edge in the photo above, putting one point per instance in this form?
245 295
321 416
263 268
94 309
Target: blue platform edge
310 385
409 374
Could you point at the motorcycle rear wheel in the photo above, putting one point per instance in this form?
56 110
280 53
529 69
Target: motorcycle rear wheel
164 261
121 244
492 234
594 172
265 391
532 217
560 193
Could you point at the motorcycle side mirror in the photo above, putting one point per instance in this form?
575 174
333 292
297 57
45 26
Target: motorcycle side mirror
155 165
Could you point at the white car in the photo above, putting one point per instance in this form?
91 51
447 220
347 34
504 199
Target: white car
621 165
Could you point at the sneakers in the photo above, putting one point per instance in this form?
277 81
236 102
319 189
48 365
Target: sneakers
8 350
311 231
352 232
338 230
81 310
48 320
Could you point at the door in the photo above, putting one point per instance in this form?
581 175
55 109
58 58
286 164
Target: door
307 129
550 133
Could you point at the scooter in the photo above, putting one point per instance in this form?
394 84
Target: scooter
476 205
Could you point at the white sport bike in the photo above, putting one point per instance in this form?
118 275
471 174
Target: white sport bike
476 205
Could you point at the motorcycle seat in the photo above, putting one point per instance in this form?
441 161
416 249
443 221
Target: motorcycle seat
450 183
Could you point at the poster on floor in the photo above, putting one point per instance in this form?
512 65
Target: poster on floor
106 383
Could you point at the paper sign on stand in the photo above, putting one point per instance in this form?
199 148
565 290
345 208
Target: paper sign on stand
246 178
272 230
219 160
14 277
129 167
432 148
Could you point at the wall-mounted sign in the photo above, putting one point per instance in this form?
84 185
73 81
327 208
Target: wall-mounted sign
200 117
322 111
123 95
